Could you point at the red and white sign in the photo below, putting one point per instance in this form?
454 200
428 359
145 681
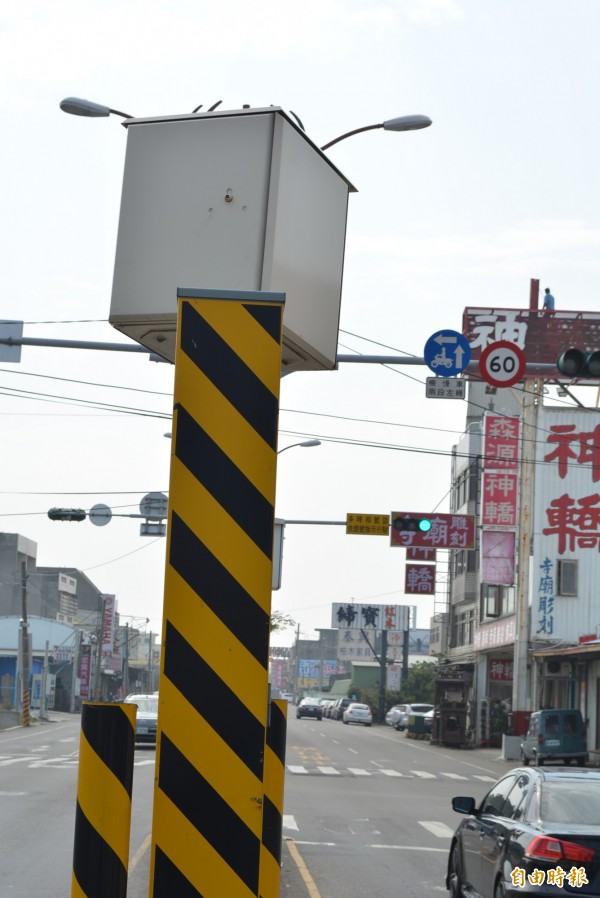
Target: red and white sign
502 364
418 553
499 493
419 579
500 670
85 671
501 435
500 633
448 531
108 624
542 337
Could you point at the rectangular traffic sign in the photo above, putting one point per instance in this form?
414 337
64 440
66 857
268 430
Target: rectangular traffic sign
447 531
368 524
445 388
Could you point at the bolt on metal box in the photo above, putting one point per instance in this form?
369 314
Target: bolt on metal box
233 200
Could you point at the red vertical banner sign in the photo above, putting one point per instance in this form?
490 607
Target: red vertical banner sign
499 498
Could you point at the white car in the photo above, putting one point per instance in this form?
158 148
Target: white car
357 713
409 711
146 716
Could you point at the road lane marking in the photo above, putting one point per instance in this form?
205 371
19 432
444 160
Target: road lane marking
140 853
8 761
329 771
424 774
436 828
295 768
454 776
486 779
393 773
303 869
410 848
289 822
353 750
358 771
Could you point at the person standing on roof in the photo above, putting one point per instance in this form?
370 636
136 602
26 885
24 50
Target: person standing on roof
548 301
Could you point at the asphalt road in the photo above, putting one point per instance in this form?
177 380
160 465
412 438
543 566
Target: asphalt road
367 811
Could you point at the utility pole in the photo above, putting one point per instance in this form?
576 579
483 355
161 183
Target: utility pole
44 684
74 670
126 662
382 675
24 647
150 659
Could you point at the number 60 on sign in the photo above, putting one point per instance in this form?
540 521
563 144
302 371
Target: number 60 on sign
502 364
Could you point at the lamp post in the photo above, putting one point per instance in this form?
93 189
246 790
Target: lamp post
307 444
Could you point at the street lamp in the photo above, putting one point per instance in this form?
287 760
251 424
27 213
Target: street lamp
77 106
403 123
305 445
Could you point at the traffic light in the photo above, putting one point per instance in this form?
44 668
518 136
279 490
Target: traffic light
579 363
419 525
67 514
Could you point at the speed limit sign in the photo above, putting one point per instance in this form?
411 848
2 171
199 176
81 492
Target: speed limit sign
502 364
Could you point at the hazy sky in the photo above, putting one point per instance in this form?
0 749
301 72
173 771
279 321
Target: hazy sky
501 189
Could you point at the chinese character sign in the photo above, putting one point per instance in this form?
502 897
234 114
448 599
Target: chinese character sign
368 524
545 599
352 616
355 646
499 491
572 459
448 531
500 669
501 447
419 579
420 553
541 337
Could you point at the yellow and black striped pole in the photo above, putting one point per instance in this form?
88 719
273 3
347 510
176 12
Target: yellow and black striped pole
270 865
103 816
208 799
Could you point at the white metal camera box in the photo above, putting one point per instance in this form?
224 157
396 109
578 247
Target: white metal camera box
234 200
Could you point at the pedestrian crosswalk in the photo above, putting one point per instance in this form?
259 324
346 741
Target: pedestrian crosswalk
318 770
435 828
58 762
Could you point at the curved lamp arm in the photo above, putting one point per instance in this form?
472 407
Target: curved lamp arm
403 123
77 106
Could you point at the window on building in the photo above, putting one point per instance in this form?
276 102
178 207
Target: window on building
567 577
496 601
462 628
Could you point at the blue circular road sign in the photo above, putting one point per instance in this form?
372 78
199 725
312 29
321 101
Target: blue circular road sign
447 353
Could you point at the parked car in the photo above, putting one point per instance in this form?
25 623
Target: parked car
429 718
328 707
358 713
555 735
393 715
309 707
146 716
338 709
543 823
288 696
409 710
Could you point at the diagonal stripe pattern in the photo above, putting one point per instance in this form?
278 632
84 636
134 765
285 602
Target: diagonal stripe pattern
103 813
207 838
274 776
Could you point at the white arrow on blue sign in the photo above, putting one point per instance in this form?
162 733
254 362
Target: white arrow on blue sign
447 353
